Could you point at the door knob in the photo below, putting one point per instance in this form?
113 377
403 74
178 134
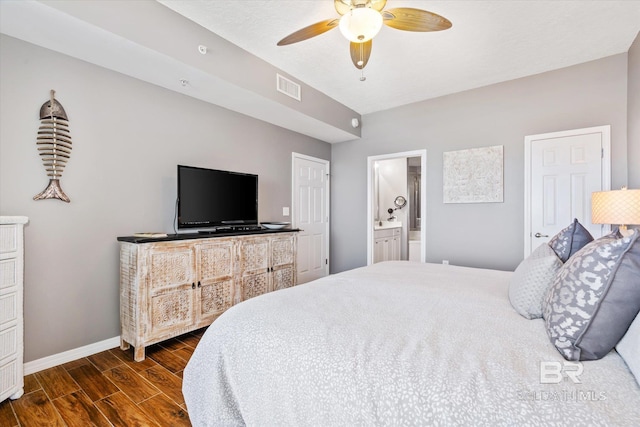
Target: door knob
538 235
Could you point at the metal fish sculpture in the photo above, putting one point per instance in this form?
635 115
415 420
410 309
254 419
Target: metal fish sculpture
54 145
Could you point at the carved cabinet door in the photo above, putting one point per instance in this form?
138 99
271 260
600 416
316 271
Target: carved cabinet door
215 288
170 294
254 263
282 262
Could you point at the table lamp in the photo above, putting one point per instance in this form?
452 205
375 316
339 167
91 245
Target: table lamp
621 207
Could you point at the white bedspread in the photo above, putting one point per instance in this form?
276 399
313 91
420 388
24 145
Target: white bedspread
394 344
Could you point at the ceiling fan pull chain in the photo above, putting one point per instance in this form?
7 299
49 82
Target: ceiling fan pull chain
362 77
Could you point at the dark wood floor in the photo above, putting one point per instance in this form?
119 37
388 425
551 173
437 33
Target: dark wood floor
108 389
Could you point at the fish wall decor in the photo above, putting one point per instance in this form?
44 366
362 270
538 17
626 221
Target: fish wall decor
54 146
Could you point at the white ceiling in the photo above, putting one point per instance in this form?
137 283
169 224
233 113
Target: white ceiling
490 42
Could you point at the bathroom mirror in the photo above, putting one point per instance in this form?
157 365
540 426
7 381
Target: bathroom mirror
400 202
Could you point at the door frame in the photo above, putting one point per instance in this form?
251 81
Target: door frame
327 189
371 160
605 132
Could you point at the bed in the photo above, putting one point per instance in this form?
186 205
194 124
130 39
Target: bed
392 344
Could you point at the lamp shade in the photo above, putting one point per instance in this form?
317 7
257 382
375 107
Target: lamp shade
361 24
620 207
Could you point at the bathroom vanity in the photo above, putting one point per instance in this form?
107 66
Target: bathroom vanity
387 238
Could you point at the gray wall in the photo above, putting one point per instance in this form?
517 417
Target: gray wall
481 235
128 137
633 94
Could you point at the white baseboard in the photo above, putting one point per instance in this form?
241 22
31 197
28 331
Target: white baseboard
70 355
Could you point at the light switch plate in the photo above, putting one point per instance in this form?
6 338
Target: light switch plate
285 211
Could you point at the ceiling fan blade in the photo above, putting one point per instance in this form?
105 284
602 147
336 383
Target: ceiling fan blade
360 53
344 6
409 19
310 31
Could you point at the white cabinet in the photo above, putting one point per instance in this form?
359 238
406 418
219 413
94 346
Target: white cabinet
386 244
171 287
11 306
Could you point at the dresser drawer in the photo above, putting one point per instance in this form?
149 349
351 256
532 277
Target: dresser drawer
8 273
8 308
8 240
10 378
8 343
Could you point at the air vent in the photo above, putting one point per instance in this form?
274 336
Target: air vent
288 87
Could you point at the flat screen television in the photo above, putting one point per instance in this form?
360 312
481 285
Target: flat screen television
209 198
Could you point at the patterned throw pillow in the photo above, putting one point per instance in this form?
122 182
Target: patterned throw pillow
570 240
531 281
594 298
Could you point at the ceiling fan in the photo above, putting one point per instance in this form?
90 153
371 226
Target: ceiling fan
361 20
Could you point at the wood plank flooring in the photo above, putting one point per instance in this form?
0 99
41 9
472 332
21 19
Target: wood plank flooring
108 389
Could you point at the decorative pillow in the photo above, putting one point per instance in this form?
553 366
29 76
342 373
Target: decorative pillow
570 240
531 281
629 348
594 298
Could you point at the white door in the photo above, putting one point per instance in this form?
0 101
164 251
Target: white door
564 168
311 215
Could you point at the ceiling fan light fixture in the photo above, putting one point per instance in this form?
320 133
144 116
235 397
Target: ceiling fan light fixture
361 24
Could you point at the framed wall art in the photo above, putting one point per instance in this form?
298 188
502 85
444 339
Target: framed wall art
474 175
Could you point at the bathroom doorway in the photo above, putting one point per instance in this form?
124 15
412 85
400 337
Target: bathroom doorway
396 203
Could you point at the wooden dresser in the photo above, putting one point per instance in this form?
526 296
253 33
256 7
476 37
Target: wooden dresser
11 306
169 287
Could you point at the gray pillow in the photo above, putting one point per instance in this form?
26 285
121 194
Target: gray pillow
594 298
531 281
570 240
629 348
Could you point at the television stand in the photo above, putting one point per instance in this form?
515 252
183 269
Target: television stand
182 283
